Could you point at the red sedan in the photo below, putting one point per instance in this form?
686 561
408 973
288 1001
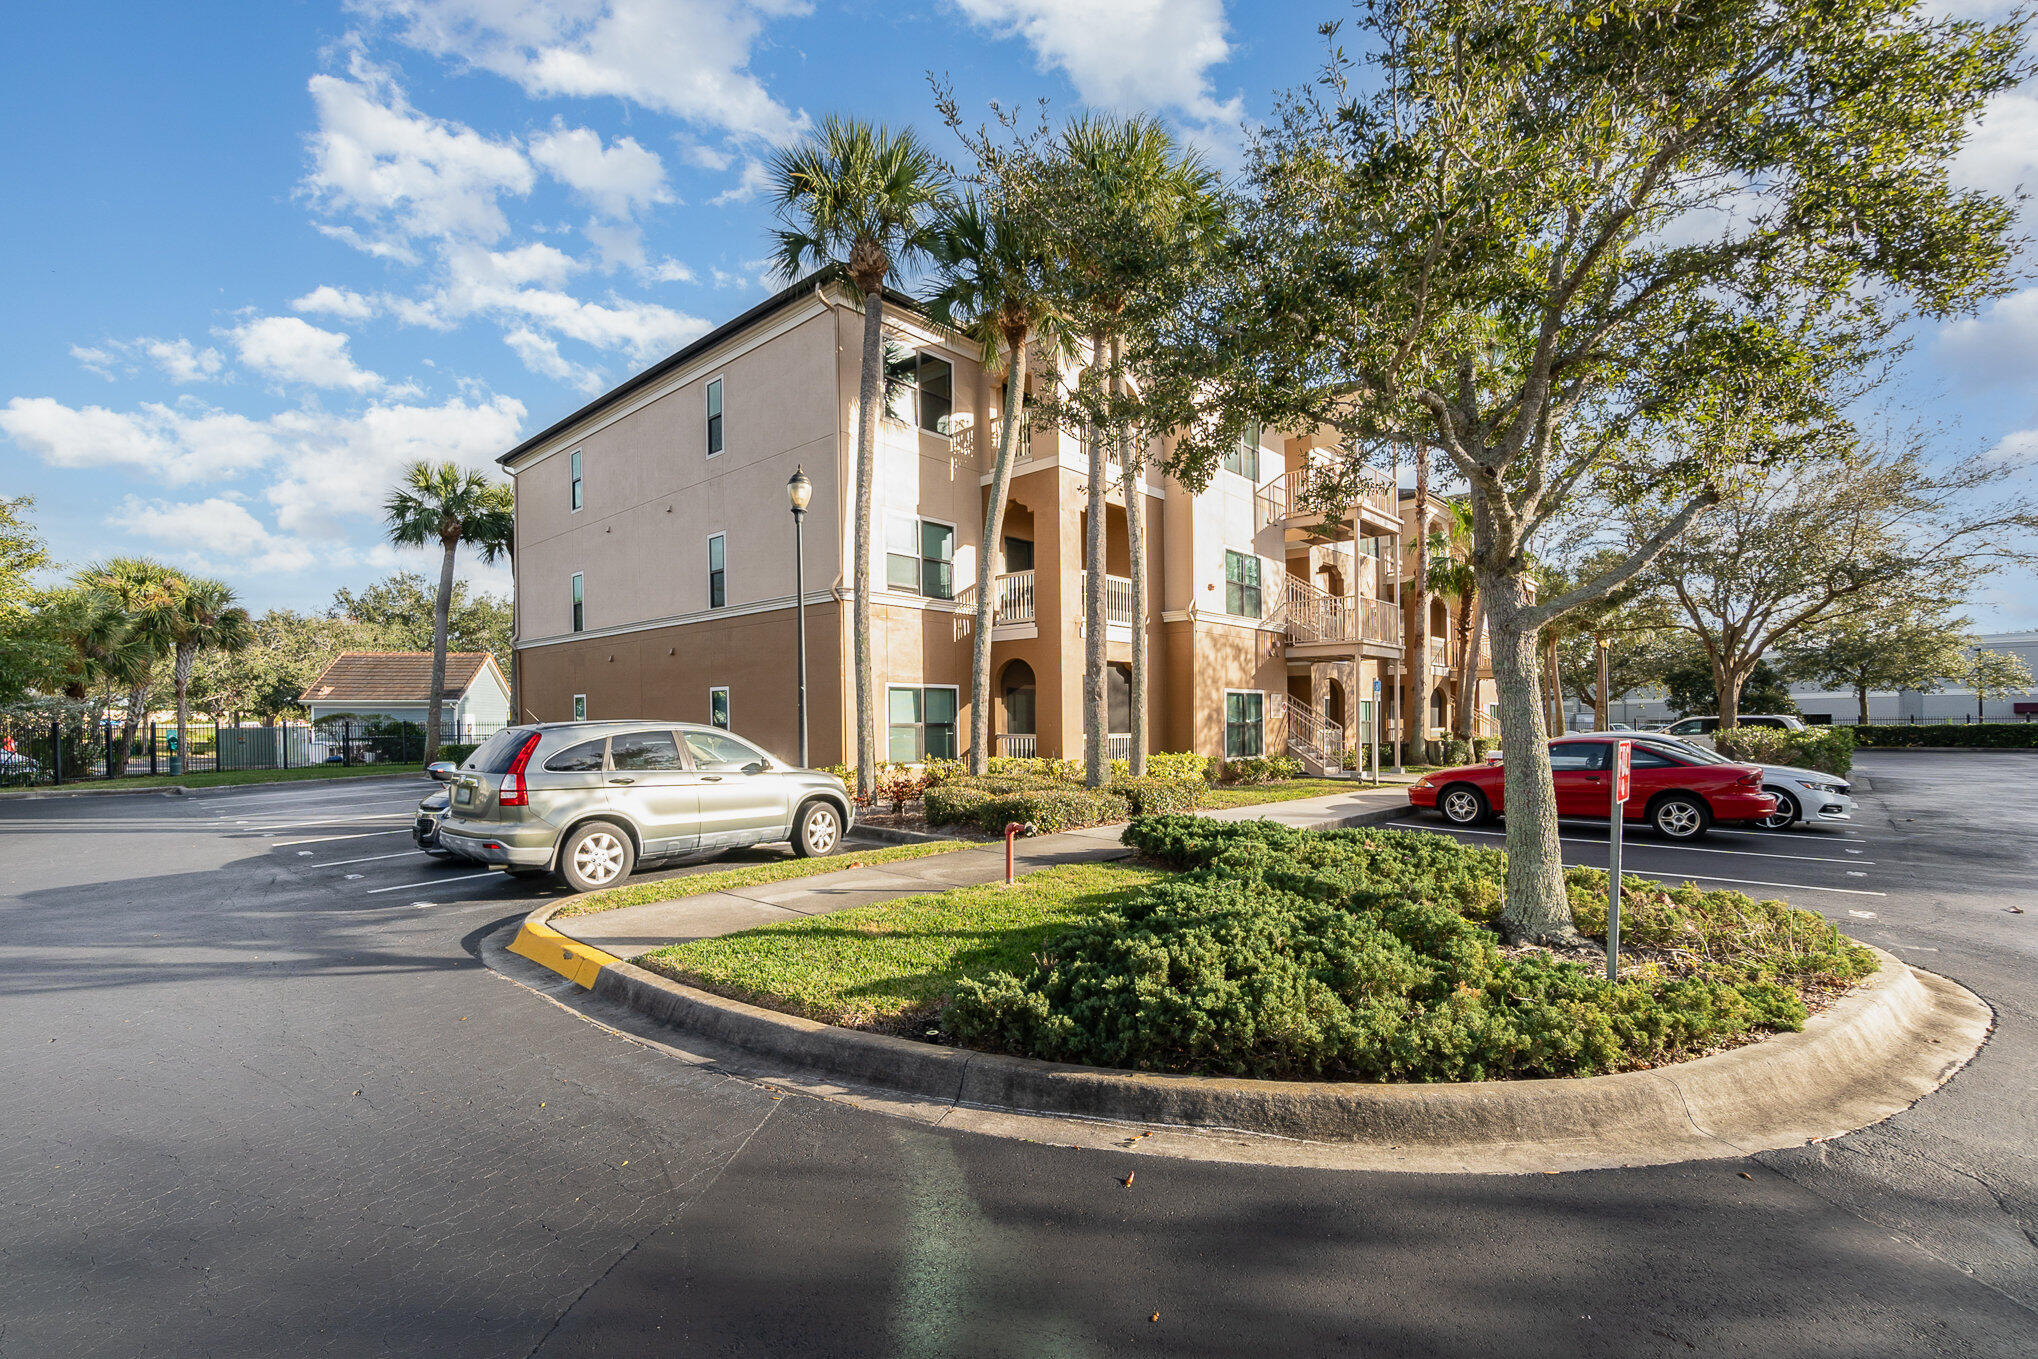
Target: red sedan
1680 797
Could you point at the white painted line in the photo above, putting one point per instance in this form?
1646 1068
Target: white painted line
466 877
328 821
369 859
353 877
323 839
1709 877
1658 844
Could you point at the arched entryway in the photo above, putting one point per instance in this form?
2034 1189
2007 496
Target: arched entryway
1016 709
1334 704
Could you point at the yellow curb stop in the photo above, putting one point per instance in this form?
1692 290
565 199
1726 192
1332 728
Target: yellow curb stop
577 962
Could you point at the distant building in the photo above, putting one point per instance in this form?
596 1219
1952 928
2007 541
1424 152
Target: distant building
396 686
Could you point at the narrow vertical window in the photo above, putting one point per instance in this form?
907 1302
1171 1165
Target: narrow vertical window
579 604
714 417
718 706
937 560
718 590
580 707
1242 585
1244 725
576 501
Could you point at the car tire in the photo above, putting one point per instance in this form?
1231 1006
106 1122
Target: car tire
1463 805
529 872
817 830
1681 816
596 855
1786 813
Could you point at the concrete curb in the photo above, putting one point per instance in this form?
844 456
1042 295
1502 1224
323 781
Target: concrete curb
1873 1053
202 790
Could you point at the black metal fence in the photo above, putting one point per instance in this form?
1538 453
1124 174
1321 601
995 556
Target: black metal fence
64 752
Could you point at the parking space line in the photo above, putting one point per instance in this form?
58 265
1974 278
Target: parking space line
369 859
437 882
329 821
357 835
1657 844
1757 882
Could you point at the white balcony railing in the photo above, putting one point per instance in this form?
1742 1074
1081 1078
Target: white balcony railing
1015 599
1307 492
1311 615
1022 745
1118 610
1118 747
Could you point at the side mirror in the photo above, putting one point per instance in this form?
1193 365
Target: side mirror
445 771
755 767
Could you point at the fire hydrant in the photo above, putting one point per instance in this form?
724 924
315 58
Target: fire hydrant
1013 830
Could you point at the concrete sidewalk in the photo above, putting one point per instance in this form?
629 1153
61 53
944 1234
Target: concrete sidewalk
630 930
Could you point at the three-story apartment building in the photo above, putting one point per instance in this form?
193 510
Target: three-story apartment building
655 561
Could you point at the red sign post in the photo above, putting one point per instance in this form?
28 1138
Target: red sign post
1623 763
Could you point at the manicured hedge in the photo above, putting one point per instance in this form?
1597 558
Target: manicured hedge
1981 735
1049 808
458 751
1827 749
1360 955
1256 769
1158 796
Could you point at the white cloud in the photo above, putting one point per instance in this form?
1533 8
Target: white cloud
2017 451
184 361
704 157
402 172
176 445
100 359
754 180
294 350
219 528
688 58
344 303
618 180
2001 154
540 354
1133 54
2001 343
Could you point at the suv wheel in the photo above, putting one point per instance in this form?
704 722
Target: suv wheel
596 855
1680 817
818 831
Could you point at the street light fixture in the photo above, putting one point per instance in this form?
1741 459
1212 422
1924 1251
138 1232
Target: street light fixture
799 491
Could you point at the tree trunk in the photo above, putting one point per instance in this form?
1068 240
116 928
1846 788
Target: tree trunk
1861 696
1601 703
1135 543
442 610
1536 908
990 558
130 725
1727 690
1094 715
1468 668
869 395
180 678
1553 680
1419 689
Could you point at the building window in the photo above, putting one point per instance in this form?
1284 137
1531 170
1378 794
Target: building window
920 390
575 461
718 585
921 722
1242 584
1244 725
920 557
1018 553
718 706
1245 458
579 603
714 417
580 707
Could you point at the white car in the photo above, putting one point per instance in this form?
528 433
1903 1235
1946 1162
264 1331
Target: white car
1801 794
1698 730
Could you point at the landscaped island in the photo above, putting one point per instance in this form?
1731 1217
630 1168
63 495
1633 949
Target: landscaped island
1252 949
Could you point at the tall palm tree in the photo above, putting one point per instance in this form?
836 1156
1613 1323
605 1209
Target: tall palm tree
1133 207
206 618
992 283
861 197
447 504
102 652
126 628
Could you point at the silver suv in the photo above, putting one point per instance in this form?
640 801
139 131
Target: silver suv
591 800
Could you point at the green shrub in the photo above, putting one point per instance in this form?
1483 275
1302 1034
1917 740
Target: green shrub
987 802
1829 750
937 771
457 751
1482 746
1359 954
1260 769
1457 751
1982 735
1158 796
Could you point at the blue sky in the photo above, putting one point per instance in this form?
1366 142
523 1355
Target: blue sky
262 255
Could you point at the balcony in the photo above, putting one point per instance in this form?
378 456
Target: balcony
1310 507
1021 745
1014 600
1312 617
1118 606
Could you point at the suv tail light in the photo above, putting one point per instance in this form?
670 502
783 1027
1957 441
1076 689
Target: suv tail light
514 794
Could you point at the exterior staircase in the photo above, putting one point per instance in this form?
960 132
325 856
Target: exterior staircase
1312 738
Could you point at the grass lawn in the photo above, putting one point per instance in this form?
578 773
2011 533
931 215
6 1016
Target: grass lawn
749 875
1248 795
220 779
888 966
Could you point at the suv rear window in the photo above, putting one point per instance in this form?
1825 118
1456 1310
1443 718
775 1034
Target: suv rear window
497 751
584 758
644 750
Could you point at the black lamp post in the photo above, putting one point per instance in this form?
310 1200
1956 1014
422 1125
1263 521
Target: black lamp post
799 491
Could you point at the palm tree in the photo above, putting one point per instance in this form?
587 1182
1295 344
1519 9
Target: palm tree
205 618
991 275
1450 574
447 504
125 628
860 197
1135 206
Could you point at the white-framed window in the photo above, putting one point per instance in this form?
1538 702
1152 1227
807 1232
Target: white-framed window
921 390
920 556
1244 460
579 603
1242 594
574 496
920 721
718 706
718 579
1245 724
714 417
580 707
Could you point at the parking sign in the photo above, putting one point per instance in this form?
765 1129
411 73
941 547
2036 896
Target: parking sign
1623 761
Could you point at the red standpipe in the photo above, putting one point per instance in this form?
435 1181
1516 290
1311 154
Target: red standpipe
1013 830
